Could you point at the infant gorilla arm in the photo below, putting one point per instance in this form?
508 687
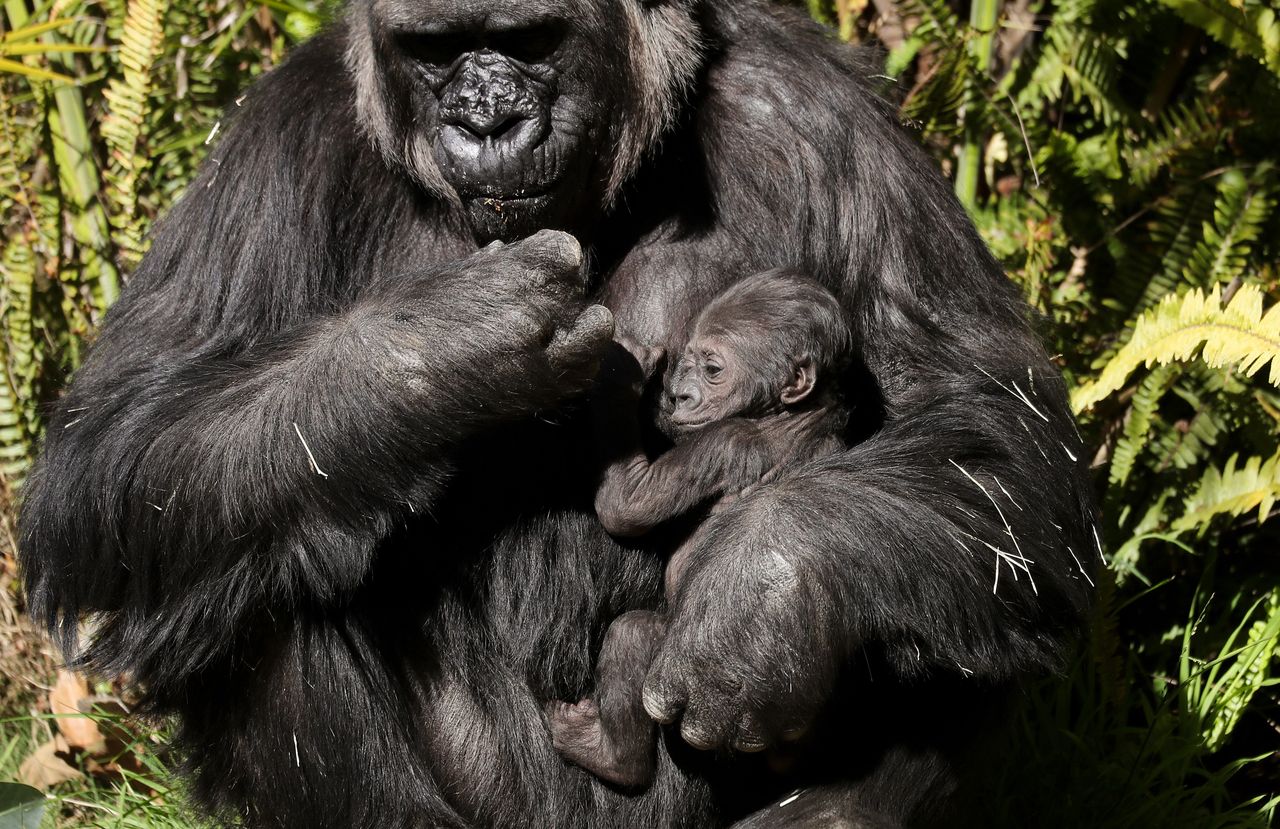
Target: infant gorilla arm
636 494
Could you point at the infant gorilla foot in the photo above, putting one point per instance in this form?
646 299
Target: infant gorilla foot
579 734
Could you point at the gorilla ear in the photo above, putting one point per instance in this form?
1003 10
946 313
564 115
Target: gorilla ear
803 378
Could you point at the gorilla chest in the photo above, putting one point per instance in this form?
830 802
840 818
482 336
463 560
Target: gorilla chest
528 556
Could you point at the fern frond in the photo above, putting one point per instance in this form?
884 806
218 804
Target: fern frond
937 22
124 127
19 359
1137 426
1180 128
19 347
1178 327
936 105
1233 491
1078 61
1174 232
1241 210
1247 29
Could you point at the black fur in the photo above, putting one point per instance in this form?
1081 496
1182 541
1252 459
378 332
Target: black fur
322 489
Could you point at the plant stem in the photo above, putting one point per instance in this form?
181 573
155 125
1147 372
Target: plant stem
982 18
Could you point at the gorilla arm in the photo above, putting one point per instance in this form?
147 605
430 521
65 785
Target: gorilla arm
974 472
241 437
956 540
637 494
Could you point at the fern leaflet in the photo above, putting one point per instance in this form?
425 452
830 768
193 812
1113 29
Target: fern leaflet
1178 327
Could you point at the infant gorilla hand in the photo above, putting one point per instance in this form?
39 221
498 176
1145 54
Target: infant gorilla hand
753 644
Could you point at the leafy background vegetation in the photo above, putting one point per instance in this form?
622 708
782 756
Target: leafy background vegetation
1119 157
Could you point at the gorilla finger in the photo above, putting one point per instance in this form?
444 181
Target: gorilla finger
706 724
583 341
556 256
663 696
750 736
794 731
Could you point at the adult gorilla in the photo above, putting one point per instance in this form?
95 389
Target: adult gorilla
325 491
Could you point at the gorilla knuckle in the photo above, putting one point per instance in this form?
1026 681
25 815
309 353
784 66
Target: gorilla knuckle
661 705
551 254
699 734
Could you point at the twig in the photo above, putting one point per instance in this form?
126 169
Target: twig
310 456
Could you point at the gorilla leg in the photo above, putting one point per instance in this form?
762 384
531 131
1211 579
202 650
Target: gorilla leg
610 735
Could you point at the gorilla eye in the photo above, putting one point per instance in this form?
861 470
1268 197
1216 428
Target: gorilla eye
531 44
712 369
437 49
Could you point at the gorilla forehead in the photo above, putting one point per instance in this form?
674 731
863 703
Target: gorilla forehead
481 15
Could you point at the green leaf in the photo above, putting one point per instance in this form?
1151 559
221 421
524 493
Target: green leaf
1240 212
36 29
13 67
301 25
1233 491
21 807
48 49
1247 29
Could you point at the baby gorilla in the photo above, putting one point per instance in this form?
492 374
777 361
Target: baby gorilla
754 393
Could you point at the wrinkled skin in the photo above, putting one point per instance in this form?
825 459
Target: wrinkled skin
504 107
324 482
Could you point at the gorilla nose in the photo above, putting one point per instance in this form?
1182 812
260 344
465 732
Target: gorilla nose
685 398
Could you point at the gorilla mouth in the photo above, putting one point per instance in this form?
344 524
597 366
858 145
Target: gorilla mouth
489 168
495 196
500 203
684 425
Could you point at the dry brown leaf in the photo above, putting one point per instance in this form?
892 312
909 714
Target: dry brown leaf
47 765
69 701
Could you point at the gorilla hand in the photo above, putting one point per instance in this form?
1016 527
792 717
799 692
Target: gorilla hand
515 336
754 640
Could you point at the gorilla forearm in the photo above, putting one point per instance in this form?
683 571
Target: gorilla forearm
345 423
1003 596
196 457
953 541
637 494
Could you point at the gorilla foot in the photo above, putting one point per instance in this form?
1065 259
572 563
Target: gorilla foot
579 734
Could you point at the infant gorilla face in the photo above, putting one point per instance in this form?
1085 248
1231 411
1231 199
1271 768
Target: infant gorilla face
758 349
710 381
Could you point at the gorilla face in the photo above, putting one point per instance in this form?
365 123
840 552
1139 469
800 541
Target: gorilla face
514 114
529 115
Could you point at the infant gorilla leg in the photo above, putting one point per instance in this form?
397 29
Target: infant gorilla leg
610 735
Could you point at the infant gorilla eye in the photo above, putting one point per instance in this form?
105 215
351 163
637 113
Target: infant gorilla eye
711 369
